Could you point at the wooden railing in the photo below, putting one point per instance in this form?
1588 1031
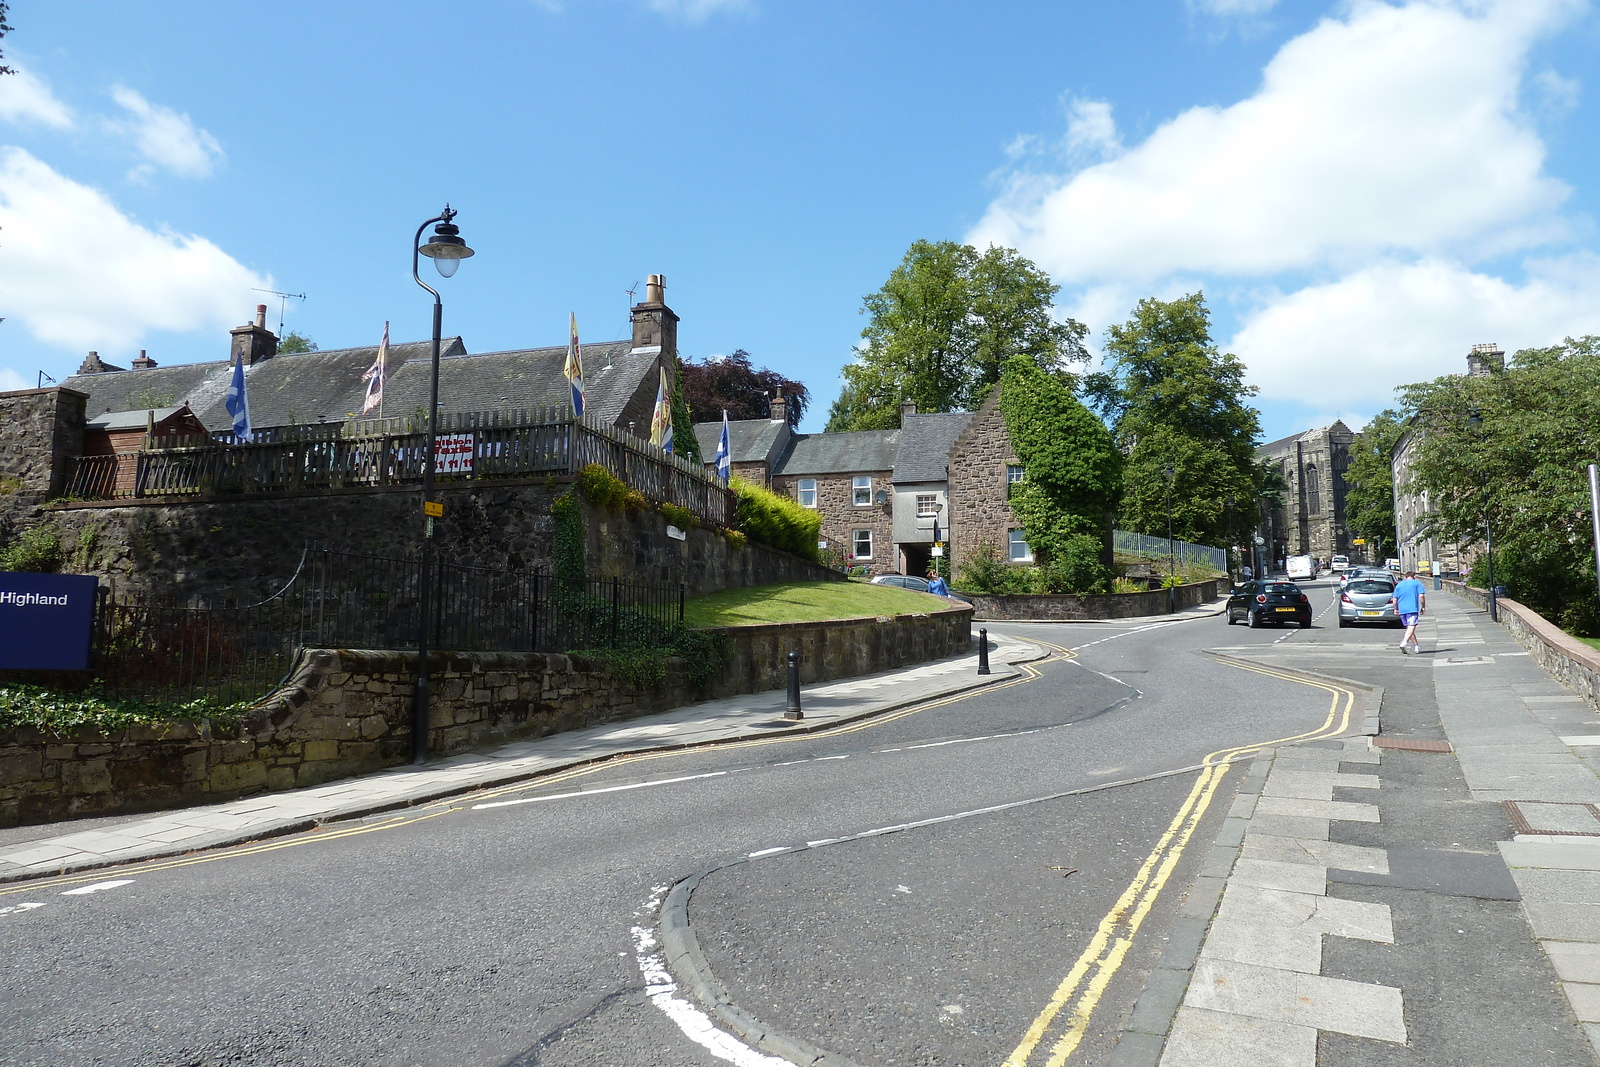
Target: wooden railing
299 458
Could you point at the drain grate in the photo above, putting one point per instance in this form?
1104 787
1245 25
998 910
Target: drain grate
1410 744
1545 817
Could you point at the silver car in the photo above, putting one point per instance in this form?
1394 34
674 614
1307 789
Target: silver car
1366 598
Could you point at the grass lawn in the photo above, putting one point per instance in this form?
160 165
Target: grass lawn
1592 642
806 602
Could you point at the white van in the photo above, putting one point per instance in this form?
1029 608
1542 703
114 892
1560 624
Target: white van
1301 567
1339 563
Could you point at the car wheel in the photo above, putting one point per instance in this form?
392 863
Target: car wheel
1343 622
1231 619
1306 625
1254 620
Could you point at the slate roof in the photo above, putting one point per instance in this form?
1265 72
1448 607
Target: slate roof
136 419
840 453
326 386
1273 447
923 454
750 440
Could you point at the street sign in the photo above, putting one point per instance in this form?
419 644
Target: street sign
46 620
433 509
1359 541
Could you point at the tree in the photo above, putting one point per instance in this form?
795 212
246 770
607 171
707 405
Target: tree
293 342
730 383
1072 469
1369 481
1522 469
941 329
5 28
1175 400
684 441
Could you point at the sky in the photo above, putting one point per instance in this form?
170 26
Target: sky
1362 190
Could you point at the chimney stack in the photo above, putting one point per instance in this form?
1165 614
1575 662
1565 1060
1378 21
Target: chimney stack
95 365
144 362
253 342
907 407
780 406
653 322
1484 360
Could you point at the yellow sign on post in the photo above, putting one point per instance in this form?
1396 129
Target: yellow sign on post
1359 541
433 509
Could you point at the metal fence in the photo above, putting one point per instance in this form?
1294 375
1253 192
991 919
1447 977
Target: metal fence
391 452
1137 544
165 653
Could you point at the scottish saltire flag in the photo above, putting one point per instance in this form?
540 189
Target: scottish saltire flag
238 403
724 450
574 367
376 374
661 420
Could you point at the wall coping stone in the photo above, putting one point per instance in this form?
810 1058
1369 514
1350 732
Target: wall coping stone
1551 635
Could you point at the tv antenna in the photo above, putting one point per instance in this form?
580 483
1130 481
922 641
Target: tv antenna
283 300
634 288
43 377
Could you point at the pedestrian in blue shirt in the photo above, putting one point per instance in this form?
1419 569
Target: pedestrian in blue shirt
937 585
1410 600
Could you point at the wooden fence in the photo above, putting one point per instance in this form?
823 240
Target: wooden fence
501 445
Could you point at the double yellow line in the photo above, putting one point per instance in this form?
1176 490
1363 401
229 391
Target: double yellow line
1089 977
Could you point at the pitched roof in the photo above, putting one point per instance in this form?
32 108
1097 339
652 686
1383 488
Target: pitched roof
840 453
136 419
750 440
326 386
1282 444
923 454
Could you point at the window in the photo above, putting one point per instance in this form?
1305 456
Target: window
927 505
1313 490
1020 552
861 486
806 492
1015 476
861 544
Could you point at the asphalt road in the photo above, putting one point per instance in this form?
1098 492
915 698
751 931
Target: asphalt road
512 927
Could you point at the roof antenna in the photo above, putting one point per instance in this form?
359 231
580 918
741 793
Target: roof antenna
283 299
43 377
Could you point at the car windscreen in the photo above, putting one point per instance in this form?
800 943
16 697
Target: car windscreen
1370 585
1280 587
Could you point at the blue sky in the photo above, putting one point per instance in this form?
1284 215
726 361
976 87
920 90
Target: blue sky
1363 190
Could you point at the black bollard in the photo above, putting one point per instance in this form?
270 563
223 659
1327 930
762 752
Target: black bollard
793 710
983 651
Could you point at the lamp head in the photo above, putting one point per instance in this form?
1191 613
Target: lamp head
1474 420
447 249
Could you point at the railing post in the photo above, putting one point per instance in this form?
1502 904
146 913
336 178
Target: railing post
616 608
682 593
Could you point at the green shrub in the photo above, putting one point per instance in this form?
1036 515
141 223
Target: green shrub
776 520
1128 585
35 549
1076 567
46 709
985 572
735 538
602 488
681 517
570 548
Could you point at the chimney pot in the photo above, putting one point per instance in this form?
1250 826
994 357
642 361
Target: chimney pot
780 406
654 289
261 316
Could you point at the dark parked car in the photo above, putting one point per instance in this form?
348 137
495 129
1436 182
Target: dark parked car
1259 603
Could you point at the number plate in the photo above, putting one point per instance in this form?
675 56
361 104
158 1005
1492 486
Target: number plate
1288 609
1371 614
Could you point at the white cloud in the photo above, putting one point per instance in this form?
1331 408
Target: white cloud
1391 129
1347 342
11 380
1091 131
1557 95
25 98
695 10
1227 8
167 139
80 274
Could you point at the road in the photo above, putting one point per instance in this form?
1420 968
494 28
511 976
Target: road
516 926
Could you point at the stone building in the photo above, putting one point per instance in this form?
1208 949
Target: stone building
983 468
1413 515
1310 518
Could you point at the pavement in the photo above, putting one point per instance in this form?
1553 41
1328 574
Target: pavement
1295 963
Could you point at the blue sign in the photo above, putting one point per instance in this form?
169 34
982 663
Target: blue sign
46 621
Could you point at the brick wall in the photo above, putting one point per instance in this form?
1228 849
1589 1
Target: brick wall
978 510
346 713
841 517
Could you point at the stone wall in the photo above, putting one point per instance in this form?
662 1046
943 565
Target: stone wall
1066 606
979 513
1564 657
245 548
38 429
346 712
841 516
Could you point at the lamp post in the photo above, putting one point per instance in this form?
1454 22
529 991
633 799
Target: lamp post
1475 423
447 250
1169 473
1227 529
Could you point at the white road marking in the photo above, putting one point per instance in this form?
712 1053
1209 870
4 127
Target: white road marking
769 851
85 890
16 908
941 744
594 792
1125 633
663 993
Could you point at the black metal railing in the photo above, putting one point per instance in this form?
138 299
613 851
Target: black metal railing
391 452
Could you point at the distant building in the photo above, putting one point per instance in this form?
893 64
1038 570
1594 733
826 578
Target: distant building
1310 518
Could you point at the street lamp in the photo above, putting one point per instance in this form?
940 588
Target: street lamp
1227 529
1475 424
1169 473
447 250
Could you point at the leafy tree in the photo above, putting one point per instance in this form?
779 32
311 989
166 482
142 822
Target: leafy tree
1522 469
1175 400
730 383
941 329
684 441
1369 481
293 342
5 28
1072 469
